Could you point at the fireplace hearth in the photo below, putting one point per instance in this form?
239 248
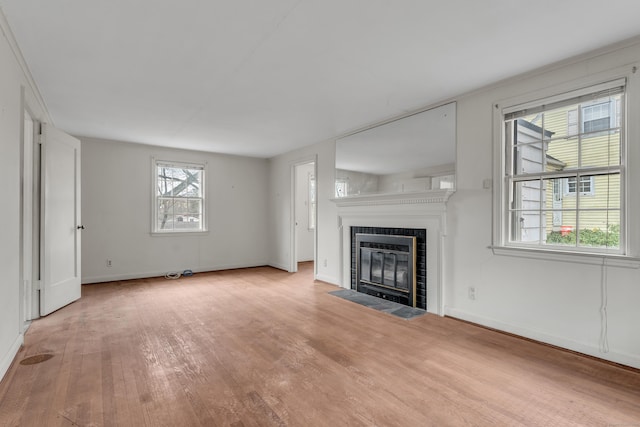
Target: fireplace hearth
390 263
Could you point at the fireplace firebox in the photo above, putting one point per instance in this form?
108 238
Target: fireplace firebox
390 266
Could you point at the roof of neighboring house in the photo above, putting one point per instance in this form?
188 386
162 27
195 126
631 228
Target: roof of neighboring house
535 128
555 162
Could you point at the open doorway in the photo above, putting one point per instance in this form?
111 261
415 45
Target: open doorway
304 204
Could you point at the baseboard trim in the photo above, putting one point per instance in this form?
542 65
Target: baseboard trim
328 279
589 350
8 358
132 276
278 266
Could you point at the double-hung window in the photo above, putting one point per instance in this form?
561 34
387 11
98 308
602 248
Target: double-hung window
573 142
179 201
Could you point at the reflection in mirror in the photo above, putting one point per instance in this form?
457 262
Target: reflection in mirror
415 153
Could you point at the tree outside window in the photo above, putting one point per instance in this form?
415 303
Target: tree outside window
179 197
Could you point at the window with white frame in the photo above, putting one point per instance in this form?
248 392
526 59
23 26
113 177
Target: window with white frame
544 150
179 197
585 187
594 116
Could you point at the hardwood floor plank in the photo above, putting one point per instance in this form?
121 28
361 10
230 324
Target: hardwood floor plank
262 347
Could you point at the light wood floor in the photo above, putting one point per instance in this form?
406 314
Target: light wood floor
261 347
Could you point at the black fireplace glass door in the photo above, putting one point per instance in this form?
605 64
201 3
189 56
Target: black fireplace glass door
377 264
365 264
402 273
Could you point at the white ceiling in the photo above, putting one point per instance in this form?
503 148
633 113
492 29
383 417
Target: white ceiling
259 78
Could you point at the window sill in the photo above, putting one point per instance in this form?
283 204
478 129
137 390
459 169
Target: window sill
563 256
179 233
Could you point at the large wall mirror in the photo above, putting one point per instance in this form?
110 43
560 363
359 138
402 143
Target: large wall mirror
411 154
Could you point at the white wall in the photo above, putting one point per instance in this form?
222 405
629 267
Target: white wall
304 235
280 231
557 302
16 93
116 211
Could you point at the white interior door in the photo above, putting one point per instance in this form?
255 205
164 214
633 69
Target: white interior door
60 220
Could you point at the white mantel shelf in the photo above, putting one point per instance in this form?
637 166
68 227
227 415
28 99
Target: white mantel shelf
409 198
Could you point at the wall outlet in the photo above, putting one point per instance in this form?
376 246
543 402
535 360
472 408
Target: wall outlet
472 292
109 263
325 262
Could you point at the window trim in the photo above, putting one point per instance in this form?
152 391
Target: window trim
154 197
629 253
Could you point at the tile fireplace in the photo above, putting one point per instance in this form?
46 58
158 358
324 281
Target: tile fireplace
390 263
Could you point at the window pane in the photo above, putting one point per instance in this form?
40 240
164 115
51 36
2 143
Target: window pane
530 128
564 233
180 207
194 207
554 192
526 195
527 217
600 229
165 214
188 222
560 123
528 158
187 183
604 194
602 149
165 181
187 214
562 154
165 206
526 226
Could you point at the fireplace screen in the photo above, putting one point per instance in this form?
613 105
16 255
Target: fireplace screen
386 267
